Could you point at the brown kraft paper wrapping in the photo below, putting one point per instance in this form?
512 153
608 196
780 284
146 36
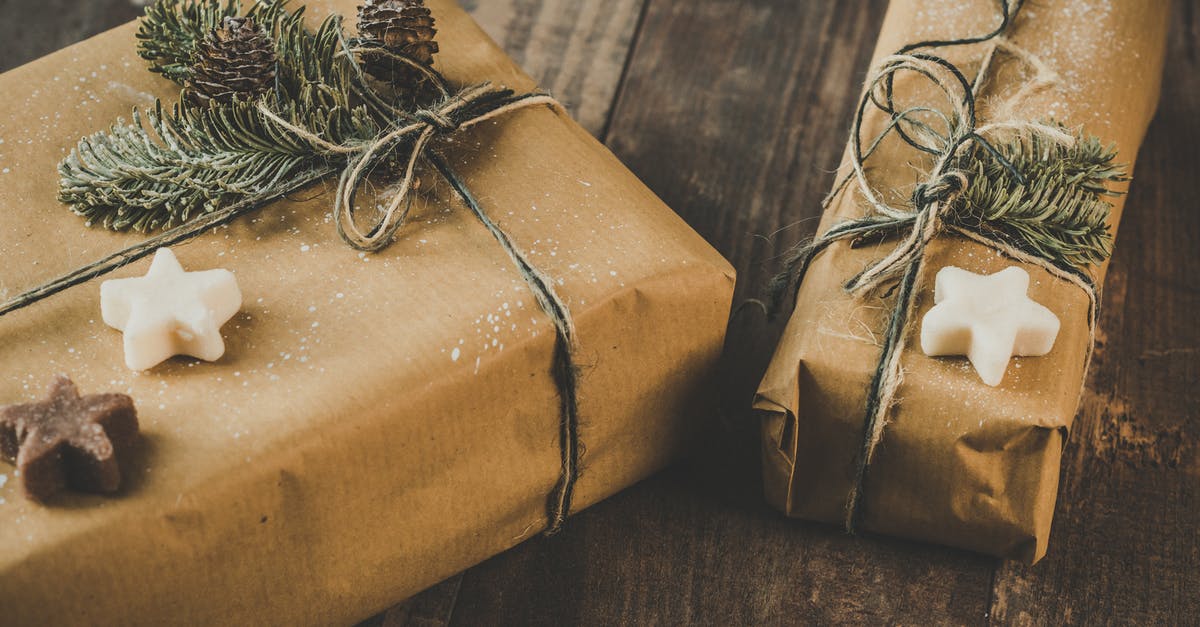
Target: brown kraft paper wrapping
960 463
379 422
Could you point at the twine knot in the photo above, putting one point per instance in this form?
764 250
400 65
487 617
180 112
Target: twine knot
438 120
409 145
942 189
453 113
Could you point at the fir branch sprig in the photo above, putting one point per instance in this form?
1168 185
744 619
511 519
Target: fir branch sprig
166 168
1060 211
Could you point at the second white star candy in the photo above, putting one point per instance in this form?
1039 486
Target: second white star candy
170 311
989 318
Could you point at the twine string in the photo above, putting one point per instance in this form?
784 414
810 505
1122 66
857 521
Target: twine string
469 107
564 370
921 222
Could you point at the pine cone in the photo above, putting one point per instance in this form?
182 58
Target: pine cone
235 62
402 27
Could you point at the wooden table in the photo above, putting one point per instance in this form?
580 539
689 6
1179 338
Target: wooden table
735 112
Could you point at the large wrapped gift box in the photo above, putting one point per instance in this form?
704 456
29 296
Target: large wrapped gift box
380 421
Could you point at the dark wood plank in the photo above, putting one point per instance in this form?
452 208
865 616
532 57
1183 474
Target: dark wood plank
575 49
33 28
431 608
683 548
1125 548
734 112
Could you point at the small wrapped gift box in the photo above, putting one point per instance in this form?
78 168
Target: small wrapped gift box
955 461
379 421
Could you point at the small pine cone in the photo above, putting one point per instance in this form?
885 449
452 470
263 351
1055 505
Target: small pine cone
235 62
402 27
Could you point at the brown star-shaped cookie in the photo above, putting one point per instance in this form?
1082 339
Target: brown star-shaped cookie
68 440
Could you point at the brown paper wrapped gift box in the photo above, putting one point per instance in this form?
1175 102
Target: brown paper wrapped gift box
379 422
960 463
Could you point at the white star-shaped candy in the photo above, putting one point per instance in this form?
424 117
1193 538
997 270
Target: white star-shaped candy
170 312
987 317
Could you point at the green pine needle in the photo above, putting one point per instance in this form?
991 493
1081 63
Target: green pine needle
167 167
1059 213
169 32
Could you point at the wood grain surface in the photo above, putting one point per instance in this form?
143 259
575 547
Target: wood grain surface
33 28
576 50
735 112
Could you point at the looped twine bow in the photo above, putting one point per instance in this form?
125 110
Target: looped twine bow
411 138
952 138
942 190
437 120
463 110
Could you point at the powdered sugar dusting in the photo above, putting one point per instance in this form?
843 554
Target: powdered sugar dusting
1093 40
